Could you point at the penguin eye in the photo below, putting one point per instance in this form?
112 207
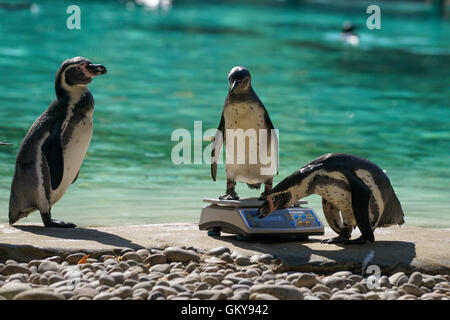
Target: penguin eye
78 68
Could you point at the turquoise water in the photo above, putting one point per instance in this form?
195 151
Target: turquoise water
386 100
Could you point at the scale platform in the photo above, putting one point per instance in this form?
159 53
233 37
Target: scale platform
239 217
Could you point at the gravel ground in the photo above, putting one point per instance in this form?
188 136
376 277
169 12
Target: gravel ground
190 273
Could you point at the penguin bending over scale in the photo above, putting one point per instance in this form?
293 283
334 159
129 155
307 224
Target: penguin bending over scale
50 155
356 187
243 113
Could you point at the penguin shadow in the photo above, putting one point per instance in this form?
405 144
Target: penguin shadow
312 255
81 234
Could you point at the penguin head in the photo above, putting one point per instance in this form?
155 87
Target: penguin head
348 27
77 72
239 79
273 203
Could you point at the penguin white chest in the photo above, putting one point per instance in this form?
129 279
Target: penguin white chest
74 152
243 122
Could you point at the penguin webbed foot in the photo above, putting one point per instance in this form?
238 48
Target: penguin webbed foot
49 222
360 240
338 239
227 196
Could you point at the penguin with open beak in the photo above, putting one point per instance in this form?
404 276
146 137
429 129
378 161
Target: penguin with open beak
51 154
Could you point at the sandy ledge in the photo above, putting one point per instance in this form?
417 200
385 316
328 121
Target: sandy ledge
396 249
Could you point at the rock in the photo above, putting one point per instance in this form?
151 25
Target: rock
384 282
322 295
212 281
39 294
355 278
429 283
154 259
407 297
203 294
123 292
416 279
180 255
226 257
132 256
218 251
55 279
143 252
118 277
280 292
10 269
107 280
162 268
242 260
411 289
372 296
310 297
265 258
47 265
262 296
307 280
335 282
103 296
342 274
85 292
11 289
397 279
75 257
321 288
432 296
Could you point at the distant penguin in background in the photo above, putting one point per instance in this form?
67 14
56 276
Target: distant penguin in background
348 34
244 110
50 155
356 187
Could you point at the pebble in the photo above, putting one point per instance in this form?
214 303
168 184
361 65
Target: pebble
281 292
154 259
11 289
416 279
39 294
180 255
398 279
219 251
162 268
190 273
75 257
10 269
132 256
242 260
335 282
307 280
412 289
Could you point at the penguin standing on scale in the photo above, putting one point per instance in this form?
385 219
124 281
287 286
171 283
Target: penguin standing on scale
244 111
50 156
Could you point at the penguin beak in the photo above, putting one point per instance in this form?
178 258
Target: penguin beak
266 208
234 86
95 69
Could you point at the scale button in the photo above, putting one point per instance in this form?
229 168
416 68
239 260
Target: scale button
292 223
308 223
299 223
295 216
303 216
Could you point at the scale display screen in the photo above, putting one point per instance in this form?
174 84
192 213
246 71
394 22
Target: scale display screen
290 218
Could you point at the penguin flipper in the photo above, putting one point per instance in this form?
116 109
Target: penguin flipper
218 140
76 177
271 127
360 203
53 152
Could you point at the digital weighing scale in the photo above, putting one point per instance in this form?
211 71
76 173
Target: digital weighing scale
240 217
